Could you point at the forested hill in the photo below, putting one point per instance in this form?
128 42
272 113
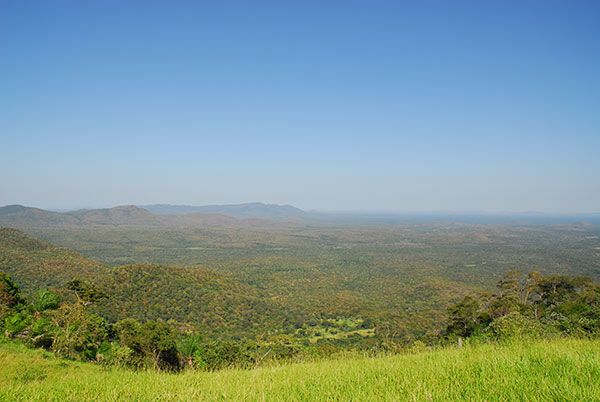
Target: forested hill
199 296
35 264
243 298
316 283
241 312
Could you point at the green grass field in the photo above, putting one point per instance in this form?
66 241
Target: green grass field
540 371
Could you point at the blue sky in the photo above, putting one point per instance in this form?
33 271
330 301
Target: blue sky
330 105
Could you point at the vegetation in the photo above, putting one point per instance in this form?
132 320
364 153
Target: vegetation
400 278
248 311
530 305
105 324
565 369
299 295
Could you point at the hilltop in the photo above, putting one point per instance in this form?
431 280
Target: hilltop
21 216
25 217
543 370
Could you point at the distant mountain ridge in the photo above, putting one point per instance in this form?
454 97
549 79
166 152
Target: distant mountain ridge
252 210
19 216
256 213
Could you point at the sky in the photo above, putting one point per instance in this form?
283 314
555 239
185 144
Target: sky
325 105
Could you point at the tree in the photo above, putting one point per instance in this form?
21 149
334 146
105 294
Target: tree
509 285
127 334
45 300
465 317
191 351
531 284
153 344
16 324
158 341
77 333
86 291
556 289
10 296
531 305
515 325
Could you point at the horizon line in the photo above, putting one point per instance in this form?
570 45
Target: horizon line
328 211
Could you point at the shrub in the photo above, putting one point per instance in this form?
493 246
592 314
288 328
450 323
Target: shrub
114 354
45 300
16 323
515 325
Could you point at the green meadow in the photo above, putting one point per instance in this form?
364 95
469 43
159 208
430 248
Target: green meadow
563 369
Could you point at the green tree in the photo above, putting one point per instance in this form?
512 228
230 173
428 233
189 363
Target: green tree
465 317
153 344
86 291
9 294
45 300
191 350
514 325
159 342
77 333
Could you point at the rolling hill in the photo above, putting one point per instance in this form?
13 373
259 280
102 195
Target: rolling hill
216 302
35 264
21 216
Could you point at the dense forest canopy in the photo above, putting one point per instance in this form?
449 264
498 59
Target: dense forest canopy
233 295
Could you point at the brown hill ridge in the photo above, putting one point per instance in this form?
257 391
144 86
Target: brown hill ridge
22 217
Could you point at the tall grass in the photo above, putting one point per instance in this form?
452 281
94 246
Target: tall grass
564 369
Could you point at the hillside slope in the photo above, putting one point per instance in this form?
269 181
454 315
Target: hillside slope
216 302
35 264
21 216
549 370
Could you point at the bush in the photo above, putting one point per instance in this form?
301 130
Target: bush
9 294
41 333
114 354
45 300
515 325
16 323
77 334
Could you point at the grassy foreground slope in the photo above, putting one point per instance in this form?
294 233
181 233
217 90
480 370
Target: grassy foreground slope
544 370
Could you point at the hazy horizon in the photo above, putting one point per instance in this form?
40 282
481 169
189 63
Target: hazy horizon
323 211
344 106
